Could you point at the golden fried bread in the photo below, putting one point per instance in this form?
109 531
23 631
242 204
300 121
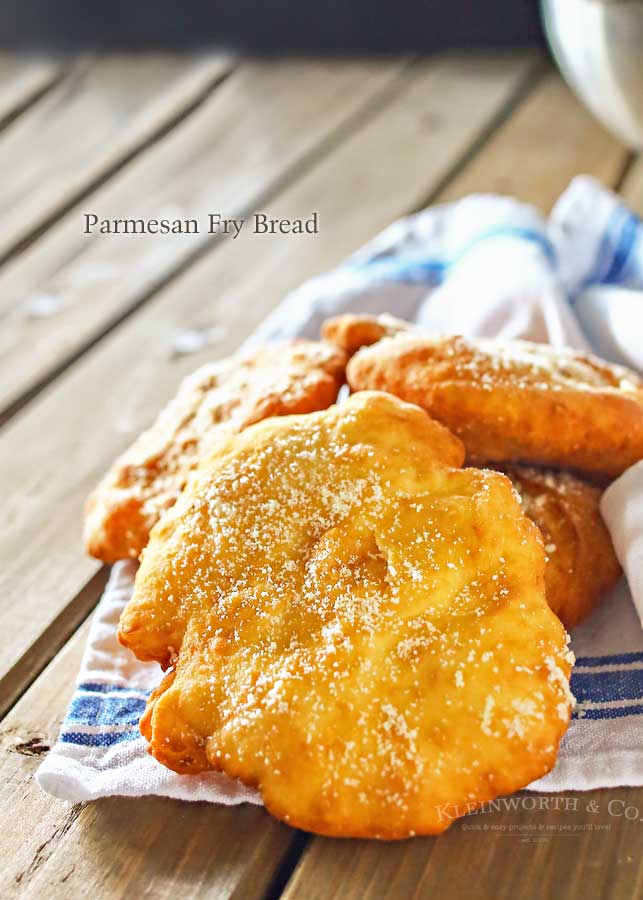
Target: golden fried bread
356 626
581 564
351 331
514 401
217 400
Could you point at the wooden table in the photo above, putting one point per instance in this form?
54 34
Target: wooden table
98 329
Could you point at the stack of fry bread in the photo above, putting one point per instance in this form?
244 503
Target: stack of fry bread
362 607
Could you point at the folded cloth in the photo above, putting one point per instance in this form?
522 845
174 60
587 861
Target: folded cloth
622 509
483 266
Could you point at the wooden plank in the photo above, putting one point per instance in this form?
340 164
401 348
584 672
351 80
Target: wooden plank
22 80
582 845
50 641
632 186
251 134
118 847
549 139
54 450
98 116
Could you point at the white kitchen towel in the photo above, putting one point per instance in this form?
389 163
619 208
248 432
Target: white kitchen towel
622 508
486 265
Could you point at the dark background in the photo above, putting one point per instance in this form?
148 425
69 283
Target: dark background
272 26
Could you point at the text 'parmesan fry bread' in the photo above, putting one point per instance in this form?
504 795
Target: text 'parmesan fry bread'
217 400
357 626
514 401
581 563
351 331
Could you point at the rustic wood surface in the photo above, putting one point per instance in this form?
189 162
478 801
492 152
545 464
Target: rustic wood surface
220 298
22 82
86 317
96 118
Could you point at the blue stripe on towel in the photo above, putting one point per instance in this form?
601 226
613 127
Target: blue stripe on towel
626 241
89 709
419 269
409 269
605 253
99 705
98 739
618 659
621 235
610 712
606 687
95 687
524 234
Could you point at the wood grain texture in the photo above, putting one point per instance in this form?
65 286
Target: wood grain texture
53 452
22 80
250 136
95 119
632 187
581 846
28 666
548 140
117 847
377 165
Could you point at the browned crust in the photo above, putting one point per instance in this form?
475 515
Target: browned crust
350 332
514 402
219 399
294 670
581 563
182 750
